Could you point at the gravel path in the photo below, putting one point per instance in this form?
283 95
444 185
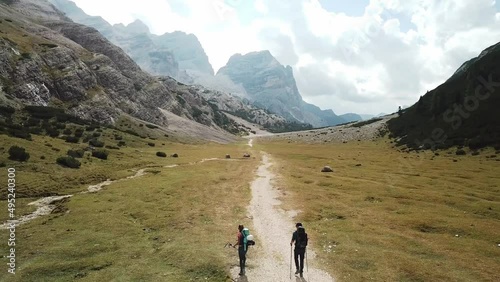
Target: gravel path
269 260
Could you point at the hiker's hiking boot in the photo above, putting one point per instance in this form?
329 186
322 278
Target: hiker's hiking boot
242 272
301 275
296 272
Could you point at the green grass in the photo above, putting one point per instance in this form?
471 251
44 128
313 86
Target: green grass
168 225
395 217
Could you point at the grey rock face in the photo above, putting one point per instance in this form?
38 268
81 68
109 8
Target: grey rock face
176 54
272 86
187 50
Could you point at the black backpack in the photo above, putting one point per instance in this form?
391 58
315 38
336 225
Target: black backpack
301 237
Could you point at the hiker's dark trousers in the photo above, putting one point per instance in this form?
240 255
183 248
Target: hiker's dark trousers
243 257
299 258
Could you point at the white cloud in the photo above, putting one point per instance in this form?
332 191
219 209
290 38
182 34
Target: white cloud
388 57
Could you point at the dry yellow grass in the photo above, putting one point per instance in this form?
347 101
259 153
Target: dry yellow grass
383 215
168 225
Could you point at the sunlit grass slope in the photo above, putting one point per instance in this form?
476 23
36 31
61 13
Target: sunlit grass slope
384 215
168 225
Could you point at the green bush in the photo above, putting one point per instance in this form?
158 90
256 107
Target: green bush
52 132
96 143
78 153
18 154
161 154
67 131
121 143
112 147
79 132
100 154
151 144
20 133
49 45
72 139
96 134
68 162
118 137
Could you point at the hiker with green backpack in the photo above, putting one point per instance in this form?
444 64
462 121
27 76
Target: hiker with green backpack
299 237
244 240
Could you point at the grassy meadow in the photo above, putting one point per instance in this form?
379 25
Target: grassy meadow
385 215
169 225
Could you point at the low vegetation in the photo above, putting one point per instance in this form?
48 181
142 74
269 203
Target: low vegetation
149 228
385 215
18 154
69 161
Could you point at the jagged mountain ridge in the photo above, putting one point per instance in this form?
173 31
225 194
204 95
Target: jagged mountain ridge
272 86
48 60
463 111
176 54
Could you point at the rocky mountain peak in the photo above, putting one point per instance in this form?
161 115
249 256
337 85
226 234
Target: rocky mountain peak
137 27
272 86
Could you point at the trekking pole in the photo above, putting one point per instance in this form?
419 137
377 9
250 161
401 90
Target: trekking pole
307 266
290 262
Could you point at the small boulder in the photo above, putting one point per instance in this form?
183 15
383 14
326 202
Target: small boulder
228 156
327 169
175 155
246 155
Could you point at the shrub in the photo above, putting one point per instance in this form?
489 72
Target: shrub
90 128
100 154
18 154
35 130
96 143
67 131
460 152
72 139
118 137
131 132
151 144
59 125
32 122
78 153
96 134
68 162
161 154
112 147
42 158
48 45
2 164
87 138
20 133
79 132
52 132
151 126
121 143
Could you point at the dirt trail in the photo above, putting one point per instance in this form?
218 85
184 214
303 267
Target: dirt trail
270 259
44 207
47 205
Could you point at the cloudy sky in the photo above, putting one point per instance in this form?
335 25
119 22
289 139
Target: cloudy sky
363 56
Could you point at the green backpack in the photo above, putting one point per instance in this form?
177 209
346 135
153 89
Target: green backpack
247 238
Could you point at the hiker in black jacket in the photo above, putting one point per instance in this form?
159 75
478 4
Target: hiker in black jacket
299 237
